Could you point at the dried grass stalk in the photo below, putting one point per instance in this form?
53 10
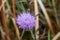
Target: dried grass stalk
2 33
14 20
16 29
46 16
57 36
4 24
37 19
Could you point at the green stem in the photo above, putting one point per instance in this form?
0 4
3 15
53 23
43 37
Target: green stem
49 35
56 16
22 35
32 35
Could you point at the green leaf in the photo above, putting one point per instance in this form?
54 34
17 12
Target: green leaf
20 6
23 0
49 35
44 1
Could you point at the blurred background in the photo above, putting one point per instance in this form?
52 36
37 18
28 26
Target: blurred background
46 13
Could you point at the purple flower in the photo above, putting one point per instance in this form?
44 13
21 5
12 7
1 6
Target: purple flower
26 21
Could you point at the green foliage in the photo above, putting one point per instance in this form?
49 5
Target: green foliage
10 2
23 0
20 6
49 35
56 15
32 35
44 1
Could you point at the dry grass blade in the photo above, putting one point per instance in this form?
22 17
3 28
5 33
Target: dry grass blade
2 33
46 16
14 10
14 20
4 24
37 19
57 36
16 29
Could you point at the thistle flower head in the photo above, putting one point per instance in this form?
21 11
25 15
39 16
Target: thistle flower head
26 21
